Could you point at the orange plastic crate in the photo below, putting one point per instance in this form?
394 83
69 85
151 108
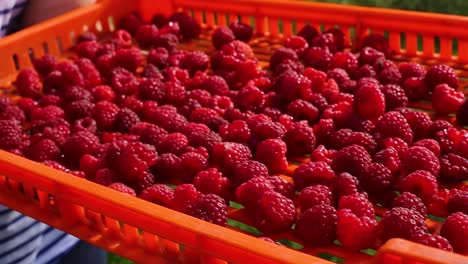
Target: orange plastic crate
147 233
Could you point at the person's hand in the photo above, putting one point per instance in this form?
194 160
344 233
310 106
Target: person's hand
39 10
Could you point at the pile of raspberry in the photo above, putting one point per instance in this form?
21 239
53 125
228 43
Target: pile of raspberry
134 112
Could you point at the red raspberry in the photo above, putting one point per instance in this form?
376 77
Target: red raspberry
72 93
195 61
250 98
396 143
272 153
377 179
308 32
190 127
45 64
44 149
323 130
300 140
339 75
352 159
105 177
210 208
267 130
435 241
346 61
103 93
47 113
411 69
123 38
318 101
274 213
401 222
189 106
319 59
291 86
202 96
446 100
238 131
390 75
168 41
393 124
420 158
455 230
430 144
133 103
174 93
458 202
303 110
358 204
440 74
125 119
344 184
365 71
202 115
158 57
314 195
146 35
79 144
369 55
419 123
91 75
310 173
120 187
349 226
228 154
394 97
105 114
86 49
421 183
28 83
453 168
123 82
130 22
153 135
376 41
78 109
280 55
212 181
369 102
168 166
13 112
389 158
242 31
298 44
71 74
85 124
250 192
10 134
415 88
247 170
222 35
189 27
322 154
173 143
410 201
55 165
362 139
462 114
184 195
193 163
317 225
325 41
206 139
159 194
129 59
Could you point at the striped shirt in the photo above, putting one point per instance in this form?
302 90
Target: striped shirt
24 240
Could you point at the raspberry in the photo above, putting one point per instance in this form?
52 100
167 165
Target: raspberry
352 159
221 103
125 119
346 61
319 59
440 74
242 31
421 183
303 110
458 202
91 75
369 102
130 22
317 225
267 130
189 28
78 109
358 204
173 143
250 192
322 154
410 201
394 97
429 144
105 177
411 69
272 153
274 213
455 230
120 187
129 59
377 179
159 194
195 61
45 64
308 32
123 82
310 173
228 154
376 41
247 170
419 123
71 74
344 184
300 140
190 127
25 104
323 130
362 139
47 113
193 163
420 158
123 38
72 93
105 114
216 85
210 208
349 226
453 168
152 135
133 103
435 241
280 55
324 41
168 166
393 124
202 115
86 49
314 195
446 100
28 83
79 144
13 112
103 93
291 86
415 89
146 35
462 114
238 131
221 36
206 139
400 222
339 75
298 44
365 71
250 98
44 149
184 195
212 181
369 55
